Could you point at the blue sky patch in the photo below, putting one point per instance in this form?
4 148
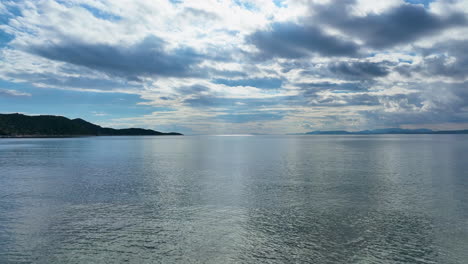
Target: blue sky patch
262 83
91 106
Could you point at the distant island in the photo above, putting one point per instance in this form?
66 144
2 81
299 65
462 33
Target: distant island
19 125
386 131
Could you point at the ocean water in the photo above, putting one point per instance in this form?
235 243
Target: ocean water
243 199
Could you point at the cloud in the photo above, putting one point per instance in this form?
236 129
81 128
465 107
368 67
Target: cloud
208 101
429 104
244 66
192 89
251 117
290 40
402 24
195 13
145 58
12 93
359 69
344 99
248 104
447 59
72 82
311 89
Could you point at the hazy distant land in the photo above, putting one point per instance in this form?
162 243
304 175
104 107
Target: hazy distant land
19 125
387 131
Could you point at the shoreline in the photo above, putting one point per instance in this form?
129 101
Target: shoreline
79 136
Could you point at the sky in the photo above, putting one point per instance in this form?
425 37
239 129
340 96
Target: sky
238 66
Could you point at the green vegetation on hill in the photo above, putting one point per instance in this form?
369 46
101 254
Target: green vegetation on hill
18 125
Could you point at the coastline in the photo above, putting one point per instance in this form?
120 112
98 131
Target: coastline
78 136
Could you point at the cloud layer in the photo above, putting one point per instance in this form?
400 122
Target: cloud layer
258 66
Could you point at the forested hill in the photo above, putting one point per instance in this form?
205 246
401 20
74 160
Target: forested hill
19 125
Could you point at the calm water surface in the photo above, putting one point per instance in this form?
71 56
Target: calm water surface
259 199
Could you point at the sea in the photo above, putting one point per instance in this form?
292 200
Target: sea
238 199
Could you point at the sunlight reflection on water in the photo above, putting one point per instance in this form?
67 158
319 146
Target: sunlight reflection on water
205 199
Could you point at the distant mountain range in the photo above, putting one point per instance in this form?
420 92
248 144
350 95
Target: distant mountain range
19 125
387 131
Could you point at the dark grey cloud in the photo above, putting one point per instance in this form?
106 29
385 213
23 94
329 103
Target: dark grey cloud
289 65
142 59
192 89
290 40
399 25
311 89
250 117
351 94
82 82
203 101
447 59
342 94
359 69
349 70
